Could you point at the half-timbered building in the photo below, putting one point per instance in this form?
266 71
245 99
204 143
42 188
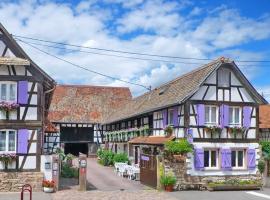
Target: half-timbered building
25 93
76 114
214 106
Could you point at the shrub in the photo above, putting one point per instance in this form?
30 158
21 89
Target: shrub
265 149
167 180
261 166
69 172
105 157
177 147
120 157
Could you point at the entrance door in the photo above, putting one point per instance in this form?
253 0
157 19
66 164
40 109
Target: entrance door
148 170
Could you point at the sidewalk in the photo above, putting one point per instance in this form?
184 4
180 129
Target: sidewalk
17 196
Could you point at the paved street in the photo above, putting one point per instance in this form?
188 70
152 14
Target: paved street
105 179
17 196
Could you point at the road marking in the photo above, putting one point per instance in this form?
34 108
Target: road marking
259 194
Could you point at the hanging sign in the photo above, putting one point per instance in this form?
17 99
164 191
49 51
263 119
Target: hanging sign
145 158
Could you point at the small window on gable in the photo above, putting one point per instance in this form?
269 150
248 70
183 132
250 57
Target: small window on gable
223 77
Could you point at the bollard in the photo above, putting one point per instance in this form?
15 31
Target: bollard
28 188
82 172
56 171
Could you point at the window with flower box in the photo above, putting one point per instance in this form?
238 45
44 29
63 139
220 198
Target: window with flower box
211 115
8 91
234 116
7 141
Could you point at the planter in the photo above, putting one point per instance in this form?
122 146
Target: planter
233 187
48 190
169 188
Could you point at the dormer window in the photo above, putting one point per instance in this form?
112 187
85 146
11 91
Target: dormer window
8 91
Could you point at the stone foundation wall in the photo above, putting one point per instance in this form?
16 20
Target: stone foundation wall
186 181
13 181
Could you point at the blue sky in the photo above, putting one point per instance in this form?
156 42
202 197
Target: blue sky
205 29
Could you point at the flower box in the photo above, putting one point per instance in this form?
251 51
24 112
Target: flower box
48 190
233 187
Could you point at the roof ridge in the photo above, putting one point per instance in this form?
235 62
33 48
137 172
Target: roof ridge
98 86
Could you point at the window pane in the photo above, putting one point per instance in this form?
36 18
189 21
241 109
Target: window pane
237 116
171 117
11 144
233 158
207 115
240 158
2 141
223 77
231 114
4 92
213 159
12 92
206 158
214 115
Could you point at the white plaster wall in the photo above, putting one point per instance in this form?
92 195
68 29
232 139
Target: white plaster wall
30 162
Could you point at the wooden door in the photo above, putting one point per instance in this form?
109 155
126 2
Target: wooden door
148 170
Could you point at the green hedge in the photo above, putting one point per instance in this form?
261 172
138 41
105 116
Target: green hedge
108 158
69 172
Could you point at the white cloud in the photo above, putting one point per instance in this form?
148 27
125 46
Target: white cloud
171 33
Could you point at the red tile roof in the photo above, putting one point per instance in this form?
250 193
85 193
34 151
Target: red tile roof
86 104
264 116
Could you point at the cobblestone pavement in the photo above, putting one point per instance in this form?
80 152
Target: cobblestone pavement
17 196
112 195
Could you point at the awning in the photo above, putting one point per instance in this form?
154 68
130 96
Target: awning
13 61
151 140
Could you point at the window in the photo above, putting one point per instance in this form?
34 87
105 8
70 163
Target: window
211 115
210 159
8 91
238 159
235 115
223 77
7 141
170 116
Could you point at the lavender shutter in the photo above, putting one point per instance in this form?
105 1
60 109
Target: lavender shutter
247 116
175 116
199 159
200 114
251 156
224 115
226 159
22 141
165 118
22 92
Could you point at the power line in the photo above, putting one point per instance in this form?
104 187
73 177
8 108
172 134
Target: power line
84 68
136 53
127 57
112 55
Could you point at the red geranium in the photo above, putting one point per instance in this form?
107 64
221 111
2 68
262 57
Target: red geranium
48 184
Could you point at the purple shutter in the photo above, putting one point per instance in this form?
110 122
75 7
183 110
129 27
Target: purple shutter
224 115
22 92
175 116
251 157
200 114
165 118
199 159
247 116
22 141
226 159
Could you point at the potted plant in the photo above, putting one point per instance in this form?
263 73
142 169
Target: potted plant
7 158
236 130
168 181
48 186
178 149
168 130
